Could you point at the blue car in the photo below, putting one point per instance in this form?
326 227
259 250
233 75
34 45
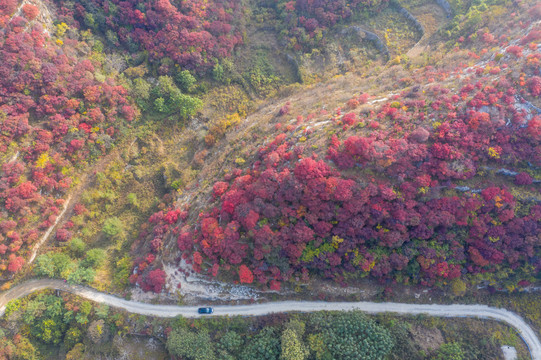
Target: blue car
205 310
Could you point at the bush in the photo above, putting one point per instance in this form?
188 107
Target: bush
458 287
132 200
52 265
77 246
112 227
122 272
81 275
450 351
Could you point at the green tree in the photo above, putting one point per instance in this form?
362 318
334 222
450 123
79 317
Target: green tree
111 37
265 345
49 331
122 272
34 310
190 346
81 275
185 80
77 353
45 266
292 346
102 311
84 311
296 325
13 306
24 350
317 345
52 265
351 336
141 92
229 345
97 47
404 346
62 264
89 20
218 73
187 105
159 105
173 100
72 337
53 304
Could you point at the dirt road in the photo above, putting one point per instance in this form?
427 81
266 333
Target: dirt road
471 311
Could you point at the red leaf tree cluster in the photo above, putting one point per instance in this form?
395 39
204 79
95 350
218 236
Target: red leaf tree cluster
192 33
305 21
275 222
64 116
291 214
387 201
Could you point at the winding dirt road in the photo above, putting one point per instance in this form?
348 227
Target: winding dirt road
470 311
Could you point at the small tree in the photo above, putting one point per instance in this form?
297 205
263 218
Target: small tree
458 287
155 280
77 246
122 272
132 200
94 258
218 73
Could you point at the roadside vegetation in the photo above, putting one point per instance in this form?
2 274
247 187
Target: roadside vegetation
46 325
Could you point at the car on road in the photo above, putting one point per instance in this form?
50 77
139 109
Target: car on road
205 310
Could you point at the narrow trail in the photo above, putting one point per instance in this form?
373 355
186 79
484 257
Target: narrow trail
86 180
166 311
45 236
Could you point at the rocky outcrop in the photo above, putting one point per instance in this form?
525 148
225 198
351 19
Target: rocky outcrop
446 7
370 36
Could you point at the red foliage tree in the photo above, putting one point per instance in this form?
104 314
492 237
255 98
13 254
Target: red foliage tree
534 85
220 188
515 50
523 179
15 263
534 127
245 275
275 285
30 11
155 280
